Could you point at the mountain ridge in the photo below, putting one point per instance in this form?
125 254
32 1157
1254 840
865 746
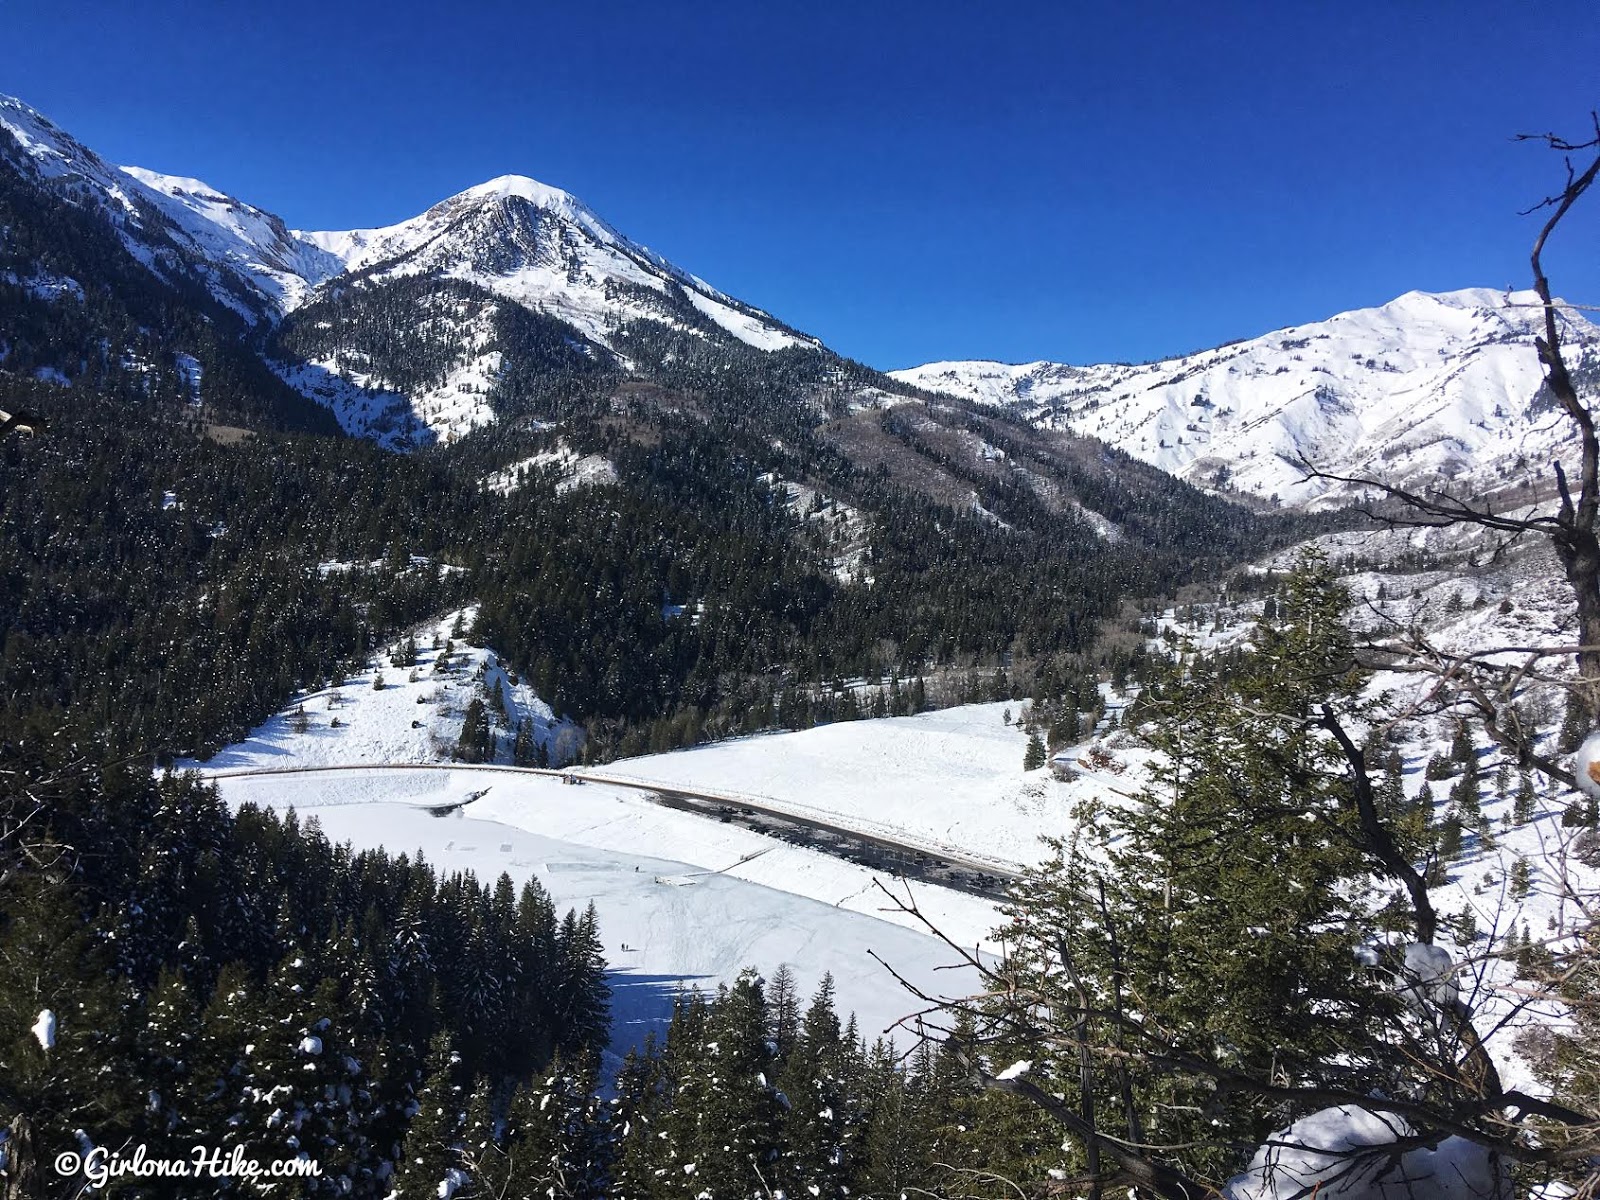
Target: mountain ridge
1430 389
566 259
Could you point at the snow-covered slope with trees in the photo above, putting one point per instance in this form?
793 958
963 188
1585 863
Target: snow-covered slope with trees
175 227
282 264
1427 389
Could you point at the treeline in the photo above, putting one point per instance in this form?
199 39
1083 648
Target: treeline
754 1092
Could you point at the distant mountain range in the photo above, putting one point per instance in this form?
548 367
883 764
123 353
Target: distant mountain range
1428 389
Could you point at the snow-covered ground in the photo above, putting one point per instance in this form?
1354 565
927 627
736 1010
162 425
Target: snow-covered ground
415 717
386 417
952 778
667 920
645 865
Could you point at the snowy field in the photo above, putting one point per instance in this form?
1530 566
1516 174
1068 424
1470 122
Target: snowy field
683 901
952 778
770 903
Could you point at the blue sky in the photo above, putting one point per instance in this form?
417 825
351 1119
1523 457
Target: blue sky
909 181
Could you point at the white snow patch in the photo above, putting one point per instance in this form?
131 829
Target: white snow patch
44 1029
951 778
573 470
1343 1153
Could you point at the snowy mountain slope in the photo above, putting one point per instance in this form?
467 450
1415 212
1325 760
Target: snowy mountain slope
283 265
174 227
515 238
1427 388
546 249
520 238
392 713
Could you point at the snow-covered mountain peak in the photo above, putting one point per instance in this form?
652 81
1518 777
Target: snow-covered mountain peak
540 195
545 249
534 244
1427 389
495 200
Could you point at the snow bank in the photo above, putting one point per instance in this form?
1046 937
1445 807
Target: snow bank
1347 1153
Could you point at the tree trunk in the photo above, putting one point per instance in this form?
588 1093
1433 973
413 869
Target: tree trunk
20 1178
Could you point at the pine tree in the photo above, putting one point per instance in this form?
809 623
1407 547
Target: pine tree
583 999
818 1129
1465 796
1522 808
524 750
1575 724
890 1160
555 1143
429 1155
1034 757
482 1155
166 1046
223 1067
739 1121
476 742
784 1004
1251 966
1450 834
65 1059
1521 880
658 1122
629 1122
